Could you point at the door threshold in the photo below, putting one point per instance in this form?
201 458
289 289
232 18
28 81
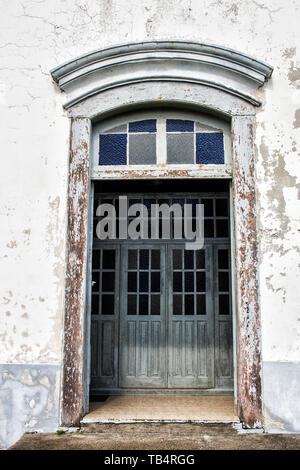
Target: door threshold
87 420
162 409
162 391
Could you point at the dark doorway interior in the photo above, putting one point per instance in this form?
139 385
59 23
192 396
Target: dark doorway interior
161 315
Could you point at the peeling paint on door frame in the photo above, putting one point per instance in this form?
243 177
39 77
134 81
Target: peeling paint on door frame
247 322
75 279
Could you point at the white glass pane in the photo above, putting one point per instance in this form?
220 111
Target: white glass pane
142 149
180 148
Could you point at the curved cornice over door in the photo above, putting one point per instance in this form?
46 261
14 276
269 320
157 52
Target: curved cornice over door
175 61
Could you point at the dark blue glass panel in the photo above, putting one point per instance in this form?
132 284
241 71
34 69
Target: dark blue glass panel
112 149
210 148
143 126
179 125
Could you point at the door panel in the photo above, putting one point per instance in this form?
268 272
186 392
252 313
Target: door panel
161 315
190 318
143 313
105 315
223 318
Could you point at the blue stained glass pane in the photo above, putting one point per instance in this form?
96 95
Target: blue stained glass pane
179 125
112 149
143 126
210 148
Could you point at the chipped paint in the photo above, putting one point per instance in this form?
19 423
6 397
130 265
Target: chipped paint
160 172
249 356
296 122
28 400
294 75
75 295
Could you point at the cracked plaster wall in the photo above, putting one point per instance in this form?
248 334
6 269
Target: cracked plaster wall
37 35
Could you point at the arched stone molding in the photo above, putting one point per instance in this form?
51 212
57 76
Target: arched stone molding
177 61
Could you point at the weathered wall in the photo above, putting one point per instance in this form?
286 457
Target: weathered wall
29 400
35 36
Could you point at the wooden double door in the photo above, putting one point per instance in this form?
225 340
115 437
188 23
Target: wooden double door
161 317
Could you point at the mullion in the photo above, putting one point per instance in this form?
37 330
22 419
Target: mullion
214 217
153 270
183 283
137 281
115 200
149 281
194 140
178 271
100 282
97 293
127 143
227 292
201 270
133 270
195 280
194 292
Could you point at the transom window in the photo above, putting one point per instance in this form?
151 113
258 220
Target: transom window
216 212
161 140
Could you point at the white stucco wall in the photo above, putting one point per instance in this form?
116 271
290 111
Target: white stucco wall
37 35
